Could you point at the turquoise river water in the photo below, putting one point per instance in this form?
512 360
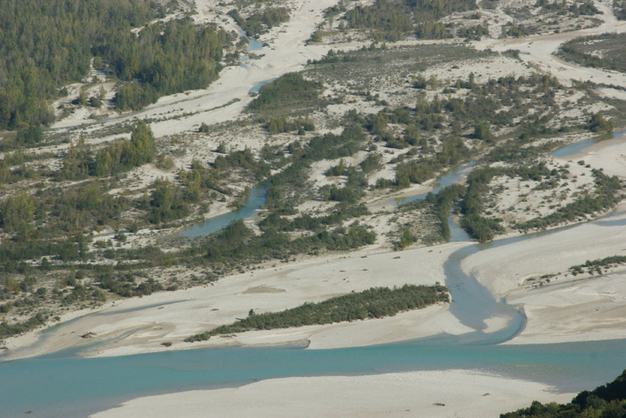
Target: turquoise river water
66 385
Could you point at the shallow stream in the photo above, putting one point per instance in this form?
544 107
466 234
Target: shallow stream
65 385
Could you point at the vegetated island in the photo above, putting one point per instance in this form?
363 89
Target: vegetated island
376 302
604 401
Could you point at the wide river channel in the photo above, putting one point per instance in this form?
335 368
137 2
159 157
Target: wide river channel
66 385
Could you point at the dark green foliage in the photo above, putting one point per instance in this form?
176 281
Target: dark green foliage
432 30
9 330
344 194
392 19
371 162
607 401
201 180
236 243
167 203
259 23
443 204
125 155
406 240
95 102
596 265
290 90
135 96
418 171
586 8
167 58
474 33
478 227
337 170
16 210
484 229
598 123
46 44
327 147
482 130
606 198
486 102
513 153
536 129
67 213
517 31
373 303
123 284
243 159
353 189
29 136
619 9
307 222
278 124
334 57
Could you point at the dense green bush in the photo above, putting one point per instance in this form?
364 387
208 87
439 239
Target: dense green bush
290 90
124 155
279 124
235 243
418 171
167 58
606 401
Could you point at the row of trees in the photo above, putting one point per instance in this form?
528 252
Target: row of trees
373 303
121 155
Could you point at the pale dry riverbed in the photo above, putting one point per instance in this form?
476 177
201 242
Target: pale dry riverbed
569 309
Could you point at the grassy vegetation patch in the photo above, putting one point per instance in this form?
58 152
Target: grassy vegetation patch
362 68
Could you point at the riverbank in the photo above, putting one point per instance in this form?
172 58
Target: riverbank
173 316
143 325
430 394
151 323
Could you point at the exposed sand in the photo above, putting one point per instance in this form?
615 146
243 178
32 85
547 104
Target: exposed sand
287 52
590 309
431 394
537 51
172 316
